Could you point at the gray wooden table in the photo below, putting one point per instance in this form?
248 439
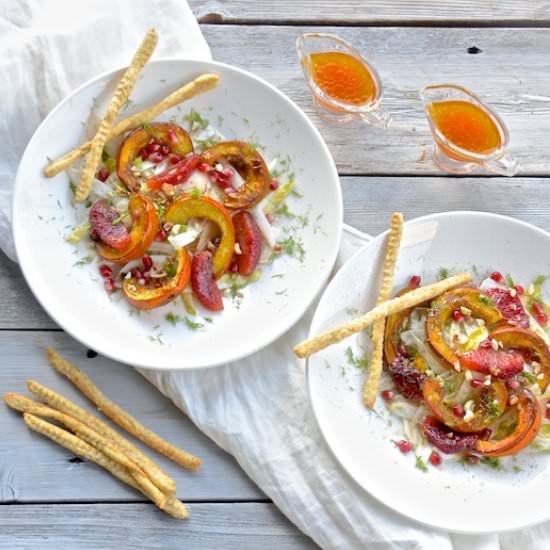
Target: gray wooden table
500 49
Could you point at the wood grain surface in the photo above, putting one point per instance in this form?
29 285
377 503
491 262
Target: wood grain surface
212 526
407 59
471 12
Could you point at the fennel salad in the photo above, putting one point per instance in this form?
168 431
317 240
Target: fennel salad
179 214
468 373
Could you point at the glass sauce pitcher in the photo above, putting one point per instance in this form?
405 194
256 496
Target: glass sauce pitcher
344 86
467 134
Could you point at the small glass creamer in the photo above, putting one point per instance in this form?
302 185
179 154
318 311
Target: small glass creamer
344 86
467 134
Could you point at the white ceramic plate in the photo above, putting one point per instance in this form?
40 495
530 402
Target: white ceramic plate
453 497
241 107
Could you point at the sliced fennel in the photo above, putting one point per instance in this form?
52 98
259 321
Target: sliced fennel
76 235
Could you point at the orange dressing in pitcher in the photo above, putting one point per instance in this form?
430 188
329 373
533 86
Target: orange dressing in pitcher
466 125
342 77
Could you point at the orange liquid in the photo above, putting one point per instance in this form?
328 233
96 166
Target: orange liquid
466 125
343 77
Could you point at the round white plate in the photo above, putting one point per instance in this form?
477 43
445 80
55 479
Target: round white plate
453 496
242 107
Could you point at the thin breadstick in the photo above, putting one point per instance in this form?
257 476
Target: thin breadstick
118 415
370 386
395 305
201 84
81 448
24 404
160 478
122 93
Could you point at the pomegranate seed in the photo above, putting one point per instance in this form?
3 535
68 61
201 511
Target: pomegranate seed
476 383
274 184
147 262
540 314
173 158
136 273
486 344
497 277
142 281
94 235
203 167
414 281
404 446
102 174
547 413
512 384
387 395
234 266
165 150
105 271
458 410
156 157
457 315
110 285
519 289
435 458
162 235
172 136
485 434
269 218
144 154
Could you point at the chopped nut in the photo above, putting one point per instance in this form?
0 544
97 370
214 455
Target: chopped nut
513 292
513 400
494 344
456 366
468 375
465 311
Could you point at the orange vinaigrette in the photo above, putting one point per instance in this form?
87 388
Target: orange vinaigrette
466 126
342 77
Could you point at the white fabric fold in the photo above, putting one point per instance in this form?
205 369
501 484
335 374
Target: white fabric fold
257 409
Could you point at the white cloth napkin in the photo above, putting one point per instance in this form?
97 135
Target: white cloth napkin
257 408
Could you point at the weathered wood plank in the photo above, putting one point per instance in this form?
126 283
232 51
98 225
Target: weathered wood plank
367 204
510 73
33 469
140 526
373 11
17 301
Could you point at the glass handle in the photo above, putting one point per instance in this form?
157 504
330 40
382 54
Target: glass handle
507 165
379 119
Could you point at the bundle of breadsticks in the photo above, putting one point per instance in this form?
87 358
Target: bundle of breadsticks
89 437
384 308
108 129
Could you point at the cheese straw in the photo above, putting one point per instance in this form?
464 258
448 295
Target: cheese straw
411 299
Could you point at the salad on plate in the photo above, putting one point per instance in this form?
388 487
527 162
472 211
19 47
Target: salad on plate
468 372
177 211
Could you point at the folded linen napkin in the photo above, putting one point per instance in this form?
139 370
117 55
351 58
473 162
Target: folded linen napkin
257 408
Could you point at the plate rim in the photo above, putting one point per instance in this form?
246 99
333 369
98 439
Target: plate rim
328 265
375 241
